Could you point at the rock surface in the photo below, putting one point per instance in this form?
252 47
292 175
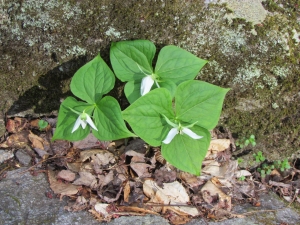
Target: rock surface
23 157
24 201
45 42
5 155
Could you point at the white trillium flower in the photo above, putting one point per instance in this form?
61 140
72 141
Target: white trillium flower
147 82
146 86
83 119
179 129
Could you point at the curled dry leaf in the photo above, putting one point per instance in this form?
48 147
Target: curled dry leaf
138 164
40 145
213 168
190 179
66 175
210 189
171 194
86 179
16 125
241 173
106 179
126 191
16 140
217 145
104 156
163 175
80 204
59 187
101 208
90 142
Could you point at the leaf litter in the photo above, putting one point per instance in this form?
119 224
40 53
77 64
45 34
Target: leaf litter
115 178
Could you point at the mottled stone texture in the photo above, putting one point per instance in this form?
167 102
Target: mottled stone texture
43 42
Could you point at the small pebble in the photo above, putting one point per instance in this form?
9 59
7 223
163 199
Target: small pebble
23 157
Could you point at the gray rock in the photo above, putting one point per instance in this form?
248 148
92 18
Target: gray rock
23 201
23 157
5 155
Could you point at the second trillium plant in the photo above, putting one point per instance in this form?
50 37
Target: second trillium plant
168 108
93 112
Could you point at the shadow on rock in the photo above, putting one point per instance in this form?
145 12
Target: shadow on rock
53 86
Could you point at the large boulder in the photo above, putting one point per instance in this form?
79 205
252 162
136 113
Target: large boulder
252 47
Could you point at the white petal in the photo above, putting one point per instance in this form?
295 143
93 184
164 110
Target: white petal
147 83
191 133
77 124
90 122
83 124
170 135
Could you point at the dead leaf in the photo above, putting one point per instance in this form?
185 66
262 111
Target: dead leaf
106 179
39 145
87 179
172 193
90 142
138 164
210 190
178 219
213 168
17 140
104 156
59 187
162 175
217 145
66 175
126 191
75 167
16 125
136 209
36 141
101 208
80 204
241 173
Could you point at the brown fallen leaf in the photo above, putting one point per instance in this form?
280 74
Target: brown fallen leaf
136 209
80 204
16 125
171 193
59 187
212 190
104 156
217 145
101 208
39 145
91 142
126 191
106 179
36 141
178 219
138 164
16 140
66 175
87 179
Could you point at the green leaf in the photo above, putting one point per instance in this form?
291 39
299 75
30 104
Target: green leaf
169 85
145 116
67 118
199 101
186 153
125 56
92 80
42 124
132 90
108 119
177 64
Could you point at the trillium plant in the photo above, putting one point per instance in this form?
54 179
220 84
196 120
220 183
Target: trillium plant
168 107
